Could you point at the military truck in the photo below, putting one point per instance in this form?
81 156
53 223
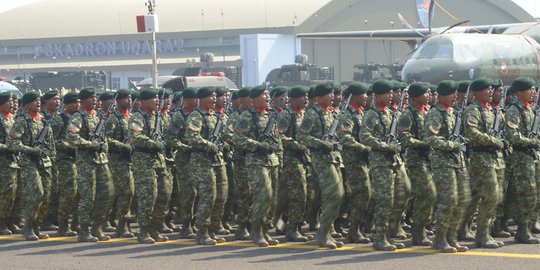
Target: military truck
371 72
67 79
234 73
299 73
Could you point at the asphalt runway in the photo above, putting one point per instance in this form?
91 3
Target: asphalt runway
67 253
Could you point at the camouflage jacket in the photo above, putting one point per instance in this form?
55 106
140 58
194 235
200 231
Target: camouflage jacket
438 126
519 121
64 149
316 123
6 155
52 147
288 124
200 125
140 127
176 131
375 127
410 132
23 135
116 129
238 154
82 126
478 123
349 133
247 129
501 164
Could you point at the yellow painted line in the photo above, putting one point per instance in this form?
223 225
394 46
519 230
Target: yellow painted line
292 246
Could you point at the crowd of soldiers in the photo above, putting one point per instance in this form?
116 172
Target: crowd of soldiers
389 161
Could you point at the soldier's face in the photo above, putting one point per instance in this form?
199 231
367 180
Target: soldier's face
327 100
220 102
447 100
150 104
262 101
7 106
236 103
124 102
484 95
299 102
90 102
52 103
497 95
421 99
33 106
527 95
208 102
384 99
71 108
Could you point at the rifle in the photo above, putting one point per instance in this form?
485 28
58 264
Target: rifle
533 134
43 134
132 104
391 137
157 132
228 106
266 136
215 138
498 129
96 135
456 134
330 136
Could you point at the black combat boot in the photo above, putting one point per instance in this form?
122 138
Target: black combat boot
242 232
323 237
218 229
451 237
203 238
483 240
163 228
380 242
84 235
292 234
419 236
154 233
28 231
355 235
523 234
498 229
187 231
441 241
107 227
257 235
122 229
465 233
4 228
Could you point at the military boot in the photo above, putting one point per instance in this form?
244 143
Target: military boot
339 226
323 237
257 235
98 232
504 225
523 234
217 228
499 243
334 233
483 240
451 237
187 231
47 225
242 232
396 231
154 233
38 232
227 226
441 242
355 235
84 235
465 233
144 237
170 224
13 227
107 227
4 228
498 230
28 231
535 227
63 228
309 236
419 236
122 229
203 238
292 234
217 238
380 242
163 228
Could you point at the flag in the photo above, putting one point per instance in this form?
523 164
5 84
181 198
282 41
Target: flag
147 23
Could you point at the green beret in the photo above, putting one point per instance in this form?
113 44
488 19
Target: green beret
148 93
244 91
278 91
356 88
298 91
496 83
29 97
190 92
165 92
417 89
50 94
86 92
206 91
4 97
134 95
510 91
257 91
123 93
42 99
70 97
177 96
447 87
221 91
433 87
311 92
323 89
480 84
402 85
382 86
234 95
106 95
522 84
463 86
337 89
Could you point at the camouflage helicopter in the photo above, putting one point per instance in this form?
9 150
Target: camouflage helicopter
503 51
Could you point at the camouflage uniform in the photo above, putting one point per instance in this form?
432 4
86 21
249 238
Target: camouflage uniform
8 173
67 170
449 174
35 170
94 180
52 214
410 133
207 170
500 169
521 183
326 165
355 156
262 171
121 167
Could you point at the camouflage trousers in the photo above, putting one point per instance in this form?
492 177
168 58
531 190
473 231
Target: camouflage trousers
293 189
485 194
535 215
95 188
313 197
222 194
263 180
145 175
402 195
357 173
382 181
17 211
330 184
8 190
164 190
453 196
243 192
230 203
124 186
38 190
211 183
522 188
67 188
424 193
53 204
186 186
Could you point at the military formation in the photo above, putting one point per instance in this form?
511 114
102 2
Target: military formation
367 163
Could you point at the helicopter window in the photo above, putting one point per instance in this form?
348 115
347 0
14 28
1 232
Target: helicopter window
436 51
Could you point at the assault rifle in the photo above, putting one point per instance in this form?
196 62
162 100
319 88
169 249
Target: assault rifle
266 136
533 134
391 137
330 136
96 135
157 132
215 137
498 129
456 134
43 134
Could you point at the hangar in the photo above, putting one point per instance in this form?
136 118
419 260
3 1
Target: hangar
62 35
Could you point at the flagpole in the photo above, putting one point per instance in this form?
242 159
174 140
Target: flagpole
151 4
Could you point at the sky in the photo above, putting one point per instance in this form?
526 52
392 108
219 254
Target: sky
531 6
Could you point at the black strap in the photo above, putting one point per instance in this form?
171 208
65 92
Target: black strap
355 115
293 123
206 124
445 121
86 124
65 119
523 118
29 124
415 123
380 120
147 122
4 131
256 119
483 117
120 118
323 121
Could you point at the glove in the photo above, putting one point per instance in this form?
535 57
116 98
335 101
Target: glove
35 151
455 146
212 148
535 143
127 148
327 146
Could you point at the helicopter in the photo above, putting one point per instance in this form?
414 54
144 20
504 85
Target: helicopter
501 51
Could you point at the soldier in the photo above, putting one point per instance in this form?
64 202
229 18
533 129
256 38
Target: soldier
35 163
313 199
449 173
206 164
94 180
355 156
120 161
175 139
8 164
521 183
410 133
293 178
262 164
15 217
65 159
326 161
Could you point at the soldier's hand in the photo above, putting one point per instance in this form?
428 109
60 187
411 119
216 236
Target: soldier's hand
535 143
327 146
94 145
390 147
212 148
264 146
365 149
499 144
455 146
159 145
35 151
